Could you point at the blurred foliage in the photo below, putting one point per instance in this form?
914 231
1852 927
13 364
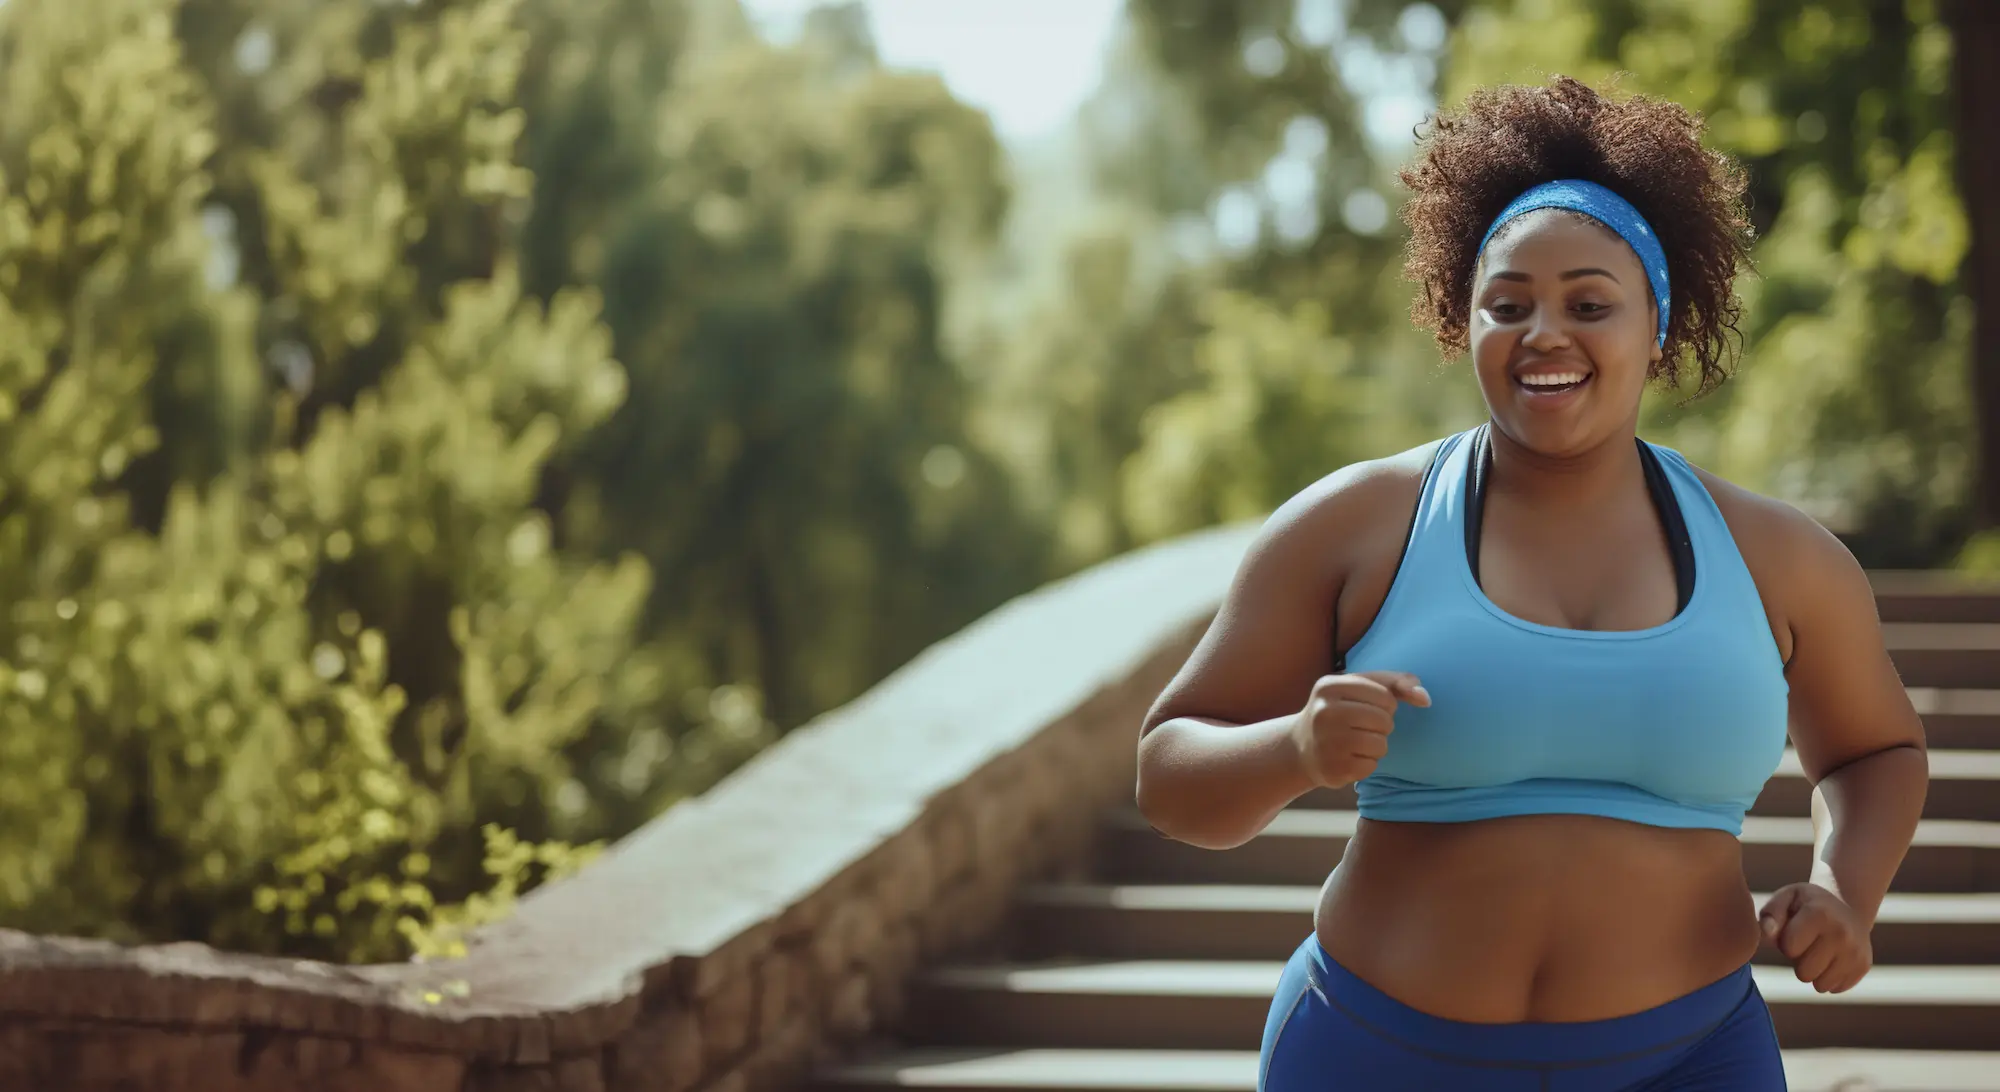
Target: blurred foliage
1231 372
1271 375
450 433
277 717
775 283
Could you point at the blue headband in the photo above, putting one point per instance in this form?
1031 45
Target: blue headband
1606 208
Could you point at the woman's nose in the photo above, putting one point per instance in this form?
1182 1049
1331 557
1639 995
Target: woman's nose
1547 330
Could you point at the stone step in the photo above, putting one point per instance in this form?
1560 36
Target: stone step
1302 845
1959 719
1964 785
1233 922
1951 655
1221 1005
1928 595
1087 1070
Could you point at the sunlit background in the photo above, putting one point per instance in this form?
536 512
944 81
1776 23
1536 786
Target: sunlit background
436 436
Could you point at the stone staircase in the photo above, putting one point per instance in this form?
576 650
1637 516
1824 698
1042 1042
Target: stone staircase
1155 972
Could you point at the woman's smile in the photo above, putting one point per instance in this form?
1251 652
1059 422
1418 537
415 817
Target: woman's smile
1552 386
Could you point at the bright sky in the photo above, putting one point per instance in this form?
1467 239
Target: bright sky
1028 63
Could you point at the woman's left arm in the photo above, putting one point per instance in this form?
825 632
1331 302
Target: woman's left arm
1861 745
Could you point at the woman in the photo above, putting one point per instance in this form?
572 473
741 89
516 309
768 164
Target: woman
1556 663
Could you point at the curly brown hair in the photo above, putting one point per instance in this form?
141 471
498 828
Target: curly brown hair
1504 140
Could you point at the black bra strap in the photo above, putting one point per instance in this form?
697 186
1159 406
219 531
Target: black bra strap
1680 546
1478 472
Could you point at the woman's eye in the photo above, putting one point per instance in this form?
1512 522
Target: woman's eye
1588 308
1504 310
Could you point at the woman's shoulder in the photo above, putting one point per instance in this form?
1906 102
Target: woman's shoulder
1766 523
1343 521
1796 561
1359 494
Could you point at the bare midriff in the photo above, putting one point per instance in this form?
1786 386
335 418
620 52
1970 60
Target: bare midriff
1544 918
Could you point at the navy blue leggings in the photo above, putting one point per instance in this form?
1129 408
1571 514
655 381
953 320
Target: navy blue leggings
1331 1032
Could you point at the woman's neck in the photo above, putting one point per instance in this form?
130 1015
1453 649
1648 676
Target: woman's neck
1583 479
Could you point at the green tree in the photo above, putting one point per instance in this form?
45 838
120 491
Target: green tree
793 461
1071 371
1281 399
1240 369
283 717
392 590
1976 87
101 146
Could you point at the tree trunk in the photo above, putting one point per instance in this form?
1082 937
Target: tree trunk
1975 28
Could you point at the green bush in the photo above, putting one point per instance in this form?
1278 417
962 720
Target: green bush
289 651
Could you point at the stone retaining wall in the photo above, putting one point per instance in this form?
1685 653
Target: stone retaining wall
733 943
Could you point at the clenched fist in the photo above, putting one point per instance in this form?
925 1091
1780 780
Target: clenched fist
1821 936
1343 731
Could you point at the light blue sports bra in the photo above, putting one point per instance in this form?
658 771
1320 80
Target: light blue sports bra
1679 725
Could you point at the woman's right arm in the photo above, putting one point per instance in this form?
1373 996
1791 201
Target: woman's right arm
1223 750
1215 784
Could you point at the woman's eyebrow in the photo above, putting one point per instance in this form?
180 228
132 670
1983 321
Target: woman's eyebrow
1570 275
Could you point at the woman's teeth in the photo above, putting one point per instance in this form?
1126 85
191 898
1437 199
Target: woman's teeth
1553 379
